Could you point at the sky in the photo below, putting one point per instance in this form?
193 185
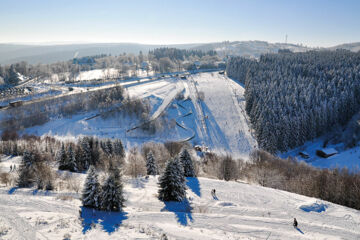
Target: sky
315 23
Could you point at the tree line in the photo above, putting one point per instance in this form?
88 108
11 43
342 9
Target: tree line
159 60
295 97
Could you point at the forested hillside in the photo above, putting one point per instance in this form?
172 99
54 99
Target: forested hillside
294 97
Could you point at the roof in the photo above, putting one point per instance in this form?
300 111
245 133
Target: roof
329 151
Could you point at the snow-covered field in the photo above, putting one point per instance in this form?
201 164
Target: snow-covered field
239 211
218 122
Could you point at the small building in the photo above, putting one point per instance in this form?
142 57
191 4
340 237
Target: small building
304 154
326 152
222 72
16 103
183 77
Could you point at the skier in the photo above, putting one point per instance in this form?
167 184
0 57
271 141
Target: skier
295 224
213 193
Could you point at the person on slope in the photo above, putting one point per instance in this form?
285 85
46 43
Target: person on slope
295 224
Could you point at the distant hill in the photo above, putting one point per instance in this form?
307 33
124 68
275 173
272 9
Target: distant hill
250 48
354 47
12 53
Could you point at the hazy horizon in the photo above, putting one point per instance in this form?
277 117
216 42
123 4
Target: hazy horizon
312 23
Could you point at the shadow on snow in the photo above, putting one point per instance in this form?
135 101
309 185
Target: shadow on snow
194 184
182 211
110 221
12 190
299 230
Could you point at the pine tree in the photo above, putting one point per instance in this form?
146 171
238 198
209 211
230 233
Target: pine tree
13 76
92 190
172 182
118 148
85 154
61 158
187 162
72 164
108 147
151 168
112 198
26 170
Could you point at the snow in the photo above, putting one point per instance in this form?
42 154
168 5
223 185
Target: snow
238 211
329 151
97 74
219 122
345 158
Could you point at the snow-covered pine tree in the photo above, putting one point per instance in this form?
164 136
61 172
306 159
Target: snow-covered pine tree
26 170
13 78
151 167
112 198
72 164
187 163
108 147
118 148
61 158
92 190
172 182
85 154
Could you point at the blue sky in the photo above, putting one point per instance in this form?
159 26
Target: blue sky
312 23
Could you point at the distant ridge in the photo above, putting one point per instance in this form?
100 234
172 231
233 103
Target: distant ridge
32 53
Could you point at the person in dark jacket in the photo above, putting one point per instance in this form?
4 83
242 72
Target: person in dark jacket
295 224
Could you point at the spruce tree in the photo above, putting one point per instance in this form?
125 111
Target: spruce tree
61 158
85 154
172 182
92 190
112 192
72 164
13 76
108 147
151 168
187 162
26 170
118 148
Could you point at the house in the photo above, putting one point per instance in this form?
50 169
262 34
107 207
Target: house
183 77
222 72
304 154
326 152
16 103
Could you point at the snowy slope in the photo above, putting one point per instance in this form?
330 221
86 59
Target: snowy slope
240 211
219 122
225 117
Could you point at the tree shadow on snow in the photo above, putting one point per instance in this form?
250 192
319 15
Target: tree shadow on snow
182 211
110 221
139 182
194 184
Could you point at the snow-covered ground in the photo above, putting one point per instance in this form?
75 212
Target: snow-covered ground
239 211
218 122
349 158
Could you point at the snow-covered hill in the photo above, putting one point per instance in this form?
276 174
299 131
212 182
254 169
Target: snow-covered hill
239 211
218 121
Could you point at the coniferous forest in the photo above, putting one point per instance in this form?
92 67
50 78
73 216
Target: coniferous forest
295 97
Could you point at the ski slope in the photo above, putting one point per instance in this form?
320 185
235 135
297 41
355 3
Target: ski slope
239 211
217 122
